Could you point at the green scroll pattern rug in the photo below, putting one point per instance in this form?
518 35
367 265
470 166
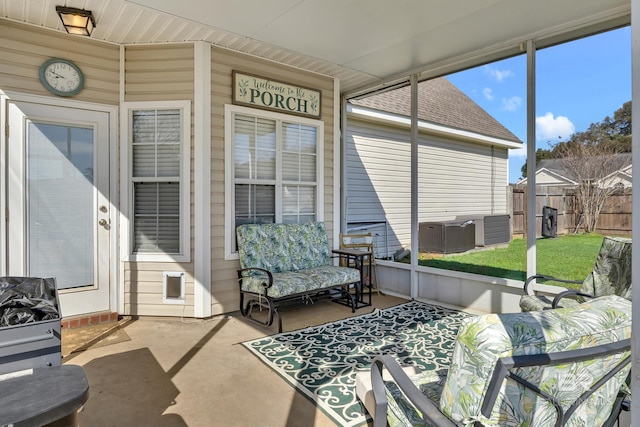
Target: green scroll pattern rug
322 361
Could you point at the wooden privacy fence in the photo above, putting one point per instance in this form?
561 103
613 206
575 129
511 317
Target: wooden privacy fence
615 217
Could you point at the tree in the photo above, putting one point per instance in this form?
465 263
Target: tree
589 165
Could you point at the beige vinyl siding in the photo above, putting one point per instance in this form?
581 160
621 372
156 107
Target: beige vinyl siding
224 282
159 73
24 48
454 178
545 178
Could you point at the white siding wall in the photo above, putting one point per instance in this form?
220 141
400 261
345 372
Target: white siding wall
455 178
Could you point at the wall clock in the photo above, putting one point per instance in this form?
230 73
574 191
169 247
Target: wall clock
61 77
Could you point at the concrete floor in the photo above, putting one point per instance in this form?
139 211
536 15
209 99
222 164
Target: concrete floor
170 372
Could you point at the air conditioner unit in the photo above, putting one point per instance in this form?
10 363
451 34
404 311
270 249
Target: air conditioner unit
446 237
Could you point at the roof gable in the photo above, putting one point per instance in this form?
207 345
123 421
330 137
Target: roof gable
440 102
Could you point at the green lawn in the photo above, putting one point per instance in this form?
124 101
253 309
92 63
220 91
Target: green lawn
567 257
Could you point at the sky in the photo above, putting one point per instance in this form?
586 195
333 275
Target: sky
577 83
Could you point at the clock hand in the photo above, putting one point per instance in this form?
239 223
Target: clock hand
58 76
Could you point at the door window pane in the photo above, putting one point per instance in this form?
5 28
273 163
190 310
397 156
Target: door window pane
60 203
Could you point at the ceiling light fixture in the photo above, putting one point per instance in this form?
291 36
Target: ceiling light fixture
76 21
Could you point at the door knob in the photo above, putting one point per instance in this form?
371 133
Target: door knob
102 222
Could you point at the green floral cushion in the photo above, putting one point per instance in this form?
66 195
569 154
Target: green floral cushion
294 282
283 247
483 339
611 275
400 411
612 270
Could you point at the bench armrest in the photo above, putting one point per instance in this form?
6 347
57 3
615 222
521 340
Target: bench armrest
530 279
426 407
246 272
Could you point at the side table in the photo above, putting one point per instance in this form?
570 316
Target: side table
358 258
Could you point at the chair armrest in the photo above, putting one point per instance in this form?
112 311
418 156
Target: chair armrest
245 272
571 293
530 279
426 407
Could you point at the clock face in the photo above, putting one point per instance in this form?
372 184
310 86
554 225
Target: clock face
61 77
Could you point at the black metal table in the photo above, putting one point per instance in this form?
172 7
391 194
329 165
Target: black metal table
51 395
357 258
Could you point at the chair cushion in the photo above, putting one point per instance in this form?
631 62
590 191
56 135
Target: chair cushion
482 340
612 269
295 282
400 411
283 247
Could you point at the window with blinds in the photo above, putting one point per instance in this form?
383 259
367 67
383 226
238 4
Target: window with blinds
156 174
275 170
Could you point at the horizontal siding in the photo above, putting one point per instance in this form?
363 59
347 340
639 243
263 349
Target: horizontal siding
159 73
24 48
143 289
454 178
544 178
223 62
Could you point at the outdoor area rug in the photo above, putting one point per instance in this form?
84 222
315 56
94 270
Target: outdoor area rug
322 361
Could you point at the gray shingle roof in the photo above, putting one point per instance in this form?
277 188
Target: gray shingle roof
439 102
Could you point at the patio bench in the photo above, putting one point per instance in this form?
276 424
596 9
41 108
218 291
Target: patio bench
284 265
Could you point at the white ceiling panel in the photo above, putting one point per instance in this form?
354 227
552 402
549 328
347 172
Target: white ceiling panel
237 16
360 42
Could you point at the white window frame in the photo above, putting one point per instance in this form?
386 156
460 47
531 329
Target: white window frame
126 181
229 200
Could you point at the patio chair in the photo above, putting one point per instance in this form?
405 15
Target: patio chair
543 368
611 275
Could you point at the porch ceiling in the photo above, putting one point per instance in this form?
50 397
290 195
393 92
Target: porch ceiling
364 43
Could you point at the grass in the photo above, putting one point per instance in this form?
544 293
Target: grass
567 257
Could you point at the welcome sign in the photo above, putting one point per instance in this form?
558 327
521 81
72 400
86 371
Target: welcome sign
270 94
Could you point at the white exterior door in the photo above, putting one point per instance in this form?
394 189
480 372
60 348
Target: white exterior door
57 198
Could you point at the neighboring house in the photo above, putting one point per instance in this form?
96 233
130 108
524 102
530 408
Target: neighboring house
552 172
462 160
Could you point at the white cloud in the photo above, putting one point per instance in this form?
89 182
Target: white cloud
511 104
498 75
488 93
553 129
